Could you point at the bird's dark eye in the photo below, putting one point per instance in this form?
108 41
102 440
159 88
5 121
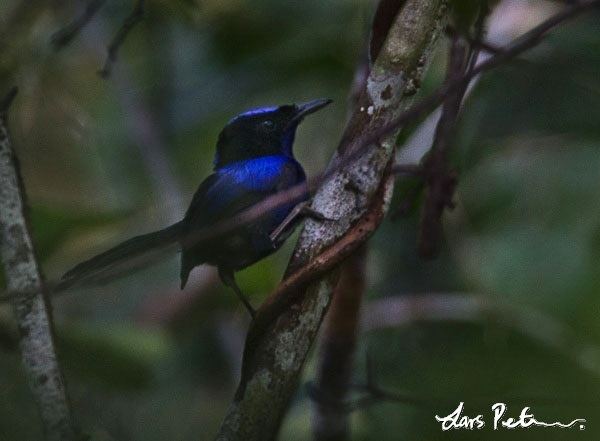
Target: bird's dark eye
268 125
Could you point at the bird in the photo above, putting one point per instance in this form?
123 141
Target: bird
254 159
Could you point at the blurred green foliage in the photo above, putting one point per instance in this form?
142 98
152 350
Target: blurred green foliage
147 362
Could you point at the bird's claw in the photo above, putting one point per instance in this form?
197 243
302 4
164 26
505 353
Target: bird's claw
303 209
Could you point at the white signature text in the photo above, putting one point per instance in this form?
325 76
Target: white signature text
457 420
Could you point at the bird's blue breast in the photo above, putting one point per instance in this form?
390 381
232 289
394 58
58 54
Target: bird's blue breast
264 173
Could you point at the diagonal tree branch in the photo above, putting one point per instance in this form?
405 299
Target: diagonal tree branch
357 195
32 313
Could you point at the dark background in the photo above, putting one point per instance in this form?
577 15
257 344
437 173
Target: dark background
106 159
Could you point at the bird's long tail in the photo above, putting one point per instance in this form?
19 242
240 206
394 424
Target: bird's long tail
129 254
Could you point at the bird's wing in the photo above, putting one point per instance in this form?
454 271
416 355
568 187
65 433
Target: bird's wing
226 193
230 191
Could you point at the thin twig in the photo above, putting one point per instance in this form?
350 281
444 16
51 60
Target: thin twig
408 169
64 36
475 41
129 23
408 201
374 392
371 393
440 180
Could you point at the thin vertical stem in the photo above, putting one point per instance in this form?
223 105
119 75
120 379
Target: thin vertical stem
31 309
330 420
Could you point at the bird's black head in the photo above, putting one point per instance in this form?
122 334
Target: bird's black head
262 132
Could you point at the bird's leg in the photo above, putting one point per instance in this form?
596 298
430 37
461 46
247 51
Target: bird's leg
303 209
228 278
287 221
308 211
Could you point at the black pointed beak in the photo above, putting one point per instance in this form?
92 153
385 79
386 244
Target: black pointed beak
309 107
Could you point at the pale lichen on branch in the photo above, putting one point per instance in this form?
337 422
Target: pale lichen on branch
32 312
